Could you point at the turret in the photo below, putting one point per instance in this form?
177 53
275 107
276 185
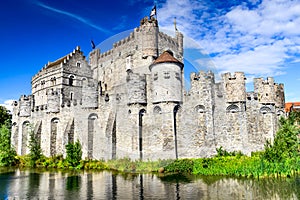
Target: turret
25 106
234 86
167 78
148 32
265 90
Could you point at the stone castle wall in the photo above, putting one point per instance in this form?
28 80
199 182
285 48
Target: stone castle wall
125 104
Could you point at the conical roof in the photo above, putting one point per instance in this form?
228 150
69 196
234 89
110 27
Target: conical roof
166 56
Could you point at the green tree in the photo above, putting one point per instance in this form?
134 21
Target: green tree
35 148
4 115
74 153
7 152
286 142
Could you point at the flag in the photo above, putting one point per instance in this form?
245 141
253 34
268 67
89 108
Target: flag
93 44
153 11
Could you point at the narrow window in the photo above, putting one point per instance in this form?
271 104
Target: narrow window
155 76
71 80
166 75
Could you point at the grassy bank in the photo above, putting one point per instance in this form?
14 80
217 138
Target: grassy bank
236 166
244 166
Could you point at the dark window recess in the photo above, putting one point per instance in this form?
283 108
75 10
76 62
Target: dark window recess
166 75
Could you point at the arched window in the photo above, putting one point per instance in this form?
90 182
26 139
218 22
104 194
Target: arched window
54 126
71 80
232 108
176 118
199 109
141 114
265 110
25 135
91 132
157 110
280 112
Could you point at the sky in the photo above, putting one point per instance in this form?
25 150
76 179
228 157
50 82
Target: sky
258 37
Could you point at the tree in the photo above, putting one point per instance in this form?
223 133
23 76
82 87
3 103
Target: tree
286 142
74 153
35 148
7 153
4 115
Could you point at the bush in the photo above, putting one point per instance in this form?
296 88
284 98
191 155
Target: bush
286 142
35 148
74 153
7 153
180 166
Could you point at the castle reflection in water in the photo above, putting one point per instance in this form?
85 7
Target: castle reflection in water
108 185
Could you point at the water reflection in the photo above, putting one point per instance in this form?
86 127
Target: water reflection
35 184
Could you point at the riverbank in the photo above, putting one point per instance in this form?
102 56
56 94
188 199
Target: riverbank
238 165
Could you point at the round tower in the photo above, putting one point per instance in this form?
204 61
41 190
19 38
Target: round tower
167 78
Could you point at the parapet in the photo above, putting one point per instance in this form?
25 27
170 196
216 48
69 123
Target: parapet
234 85
237 76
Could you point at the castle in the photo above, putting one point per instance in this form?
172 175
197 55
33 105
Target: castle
130 101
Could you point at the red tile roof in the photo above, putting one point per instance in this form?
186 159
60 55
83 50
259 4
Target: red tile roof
166 57
292 105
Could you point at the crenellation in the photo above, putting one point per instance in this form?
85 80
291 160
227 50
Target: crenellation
234 87
130 101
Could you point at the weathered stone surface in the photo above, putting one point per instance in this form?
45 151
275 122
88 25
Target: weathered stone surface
124 104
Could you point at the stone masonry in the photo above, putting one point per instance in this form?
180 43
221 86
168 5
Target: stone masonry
130 102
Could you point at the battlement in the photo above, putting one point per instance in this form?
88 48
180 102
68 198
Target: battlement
124 41
201 75
25 98
252 96
237 76
262 81
168 38
234 87
146 21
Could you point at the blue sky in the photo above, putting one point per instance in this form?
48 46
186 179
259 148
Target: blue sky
259 37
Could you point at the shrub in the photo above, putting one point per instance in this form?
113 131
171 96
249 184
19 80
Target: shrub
74 153
180 166
7 153
286 142
35 148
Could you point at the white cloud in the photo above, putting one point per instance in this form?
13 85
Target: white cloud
255 39
8 104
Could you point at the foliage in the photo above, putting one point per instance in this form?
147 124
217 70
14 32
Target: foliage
286 142
93 164
74 154
180 166
7 153
4 115
221 152
54 162
35 148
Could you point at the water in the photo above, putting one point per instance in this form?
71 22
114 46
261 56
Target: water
38 184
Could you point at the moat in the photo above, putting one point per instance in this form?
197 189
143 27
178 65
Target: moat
38 184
